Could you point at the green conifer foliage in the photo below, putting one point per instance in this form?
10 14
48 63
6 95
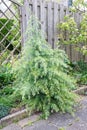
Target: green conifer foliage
42 75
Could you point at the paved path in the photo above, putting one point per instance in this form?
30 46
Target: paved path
56 121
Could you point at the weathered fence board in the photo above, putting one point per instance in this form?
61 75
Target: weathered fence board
50 23
55 24
42 15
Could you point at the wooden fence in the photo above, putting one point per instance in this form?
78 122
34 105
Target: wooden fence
50 15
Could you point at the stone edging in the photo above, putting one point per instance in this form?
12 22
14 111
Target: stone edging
81 90
13 117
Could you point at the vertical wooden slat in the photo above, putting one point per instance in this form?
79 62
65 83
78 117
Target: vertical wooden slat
86 58
78 23
38 13
62 13
79 20
42 15
71 46
23 24
27 11
75 53
46 21
35 7
67 46
65 11
30 6
81 55
50 23
58 15
25 19
62 19
55 23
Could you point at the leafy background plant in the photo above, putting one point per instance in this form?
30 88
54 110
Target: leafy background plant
79 71
75 34
4 110
72 34
8 99
6 76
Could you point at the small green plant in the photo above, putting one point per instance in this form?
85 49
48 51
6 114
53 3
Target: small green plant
79 71
41 75
7 99
6 76
4 110
7 90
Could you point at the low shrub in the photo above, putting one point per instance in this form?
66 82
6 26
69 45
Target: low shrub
41 75
79 71
4 110
6 76
11 101
8 99
7 90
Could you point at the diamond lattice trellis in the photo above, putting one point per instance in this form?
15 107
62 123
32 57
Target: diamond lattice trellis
10 39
